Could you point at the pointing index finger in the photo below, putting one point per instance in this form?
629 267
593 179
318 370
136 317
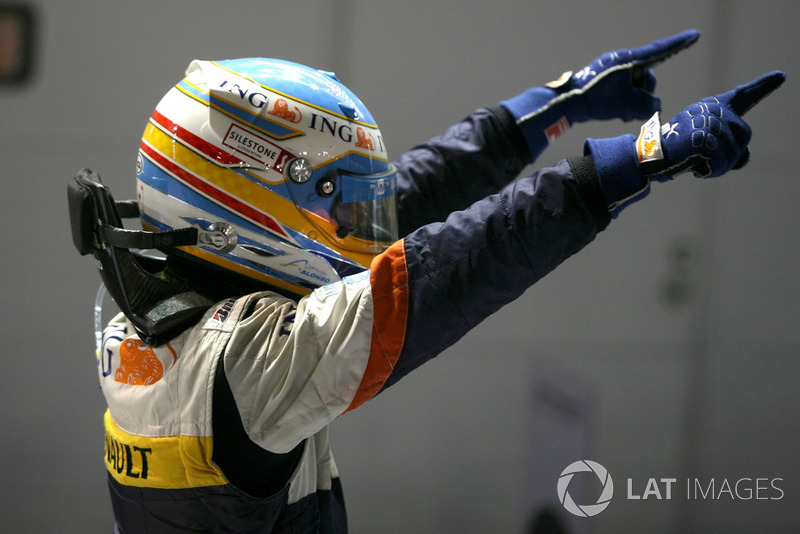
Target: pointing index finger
744 97
658 51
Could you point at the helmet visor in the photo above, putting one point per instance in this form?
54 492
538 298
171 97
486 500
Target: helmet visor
365 209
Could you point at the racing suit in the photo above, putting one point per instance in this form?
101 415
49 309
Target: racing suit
224 428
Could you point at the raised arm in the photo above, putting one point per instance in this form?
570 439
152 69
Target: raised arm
488 149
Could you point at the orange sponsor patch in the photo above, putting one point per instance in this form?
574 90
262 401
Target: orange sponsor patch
650 148
142 365
648 145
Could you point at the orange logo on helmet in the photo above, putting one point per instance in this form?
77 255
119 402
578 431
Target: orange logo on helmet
139 363
365 140
282 111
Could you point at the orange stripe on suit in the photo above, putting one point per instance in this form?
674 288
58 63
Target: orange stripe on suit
389 281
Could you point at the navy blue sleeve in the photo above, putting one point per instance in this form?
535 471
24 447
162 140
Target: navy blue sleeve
466 268
472 159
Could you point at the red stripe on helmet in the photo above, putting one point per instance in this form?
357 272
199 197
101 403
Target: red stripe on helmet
216 194
196 142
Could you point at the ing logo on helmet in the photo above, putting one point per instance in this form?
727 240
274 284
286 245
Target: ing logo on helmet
140 364
281 110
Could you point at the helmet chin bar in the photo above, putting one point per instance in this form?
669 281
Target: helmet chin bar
159 309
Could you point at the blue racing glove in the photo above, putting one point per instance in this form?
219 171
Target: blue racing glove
708 138
616 85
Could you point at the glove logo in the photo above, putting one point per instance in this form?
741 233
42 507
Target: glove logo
669 129
561 81
648 146
585 510
557 129
586 73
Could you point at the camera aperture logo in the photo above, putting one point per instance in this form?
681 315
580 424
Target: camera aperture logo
585 510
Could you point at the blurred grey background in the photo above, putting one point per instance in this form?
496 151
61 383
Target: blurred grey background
667 349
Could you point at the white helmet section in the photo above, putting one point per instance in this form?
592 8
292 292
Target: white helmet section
281 163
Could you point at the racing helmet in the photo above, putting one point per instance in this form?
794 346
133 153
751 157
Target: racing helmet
280 167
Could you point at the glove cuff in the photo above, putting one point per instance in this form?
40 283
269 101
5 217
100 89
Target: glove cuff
542 115
617 166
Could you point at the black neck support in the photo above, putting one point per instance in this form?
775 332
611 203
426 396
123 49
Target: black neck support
158 308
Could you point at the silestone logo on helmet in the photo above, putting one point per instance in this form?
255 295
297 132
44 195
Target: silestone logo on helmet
585 510
255 146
